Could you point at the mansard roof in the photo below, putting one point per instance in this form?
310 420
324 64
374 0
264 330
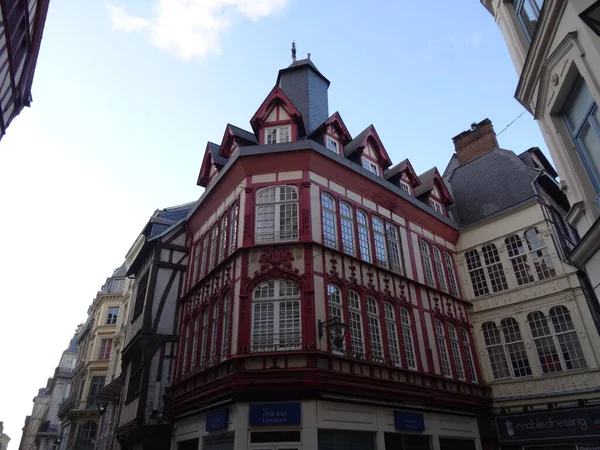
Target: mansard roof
361 141
276 96
403 166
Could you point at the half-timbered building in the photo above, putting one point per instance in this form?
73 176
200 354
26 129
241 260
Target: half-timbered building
322 306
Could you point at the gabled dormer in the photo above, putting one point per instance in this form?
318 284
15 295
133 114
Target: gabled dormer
404 176
233 138
277 120
212 163
433 191
332 134
367 150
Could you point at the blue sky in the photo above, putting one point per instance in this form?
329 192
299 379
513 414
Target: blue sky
127 93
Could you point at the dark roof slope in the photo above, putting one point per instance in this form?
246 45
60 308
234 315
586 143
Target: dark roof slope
218 160
243 134
495 182
299 64
356 142
426 179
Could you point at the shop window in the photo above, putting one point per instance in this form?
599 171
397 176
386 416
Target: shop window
190 444
329 221
276 214
264 437
397 441
346 440
457 444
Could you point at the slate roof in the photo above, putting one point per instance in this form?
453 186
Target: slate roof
243 134
214 153
356 142
426 179
496 182
394 170
72 348
298 64
526 157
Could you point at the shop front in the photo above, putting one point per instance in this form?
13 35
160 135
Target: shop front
556 429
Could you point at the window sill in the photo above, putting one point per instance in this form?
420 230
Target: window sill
543 376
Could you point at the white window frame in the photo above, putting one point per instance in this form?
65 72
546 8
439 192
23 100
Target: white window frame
336 311
466 341
332 144
273 209
226 327
477 276
494 269
355 324
112 320
514 347
455 346
214 333
328 220
492 337
405 187
347 228
394 248
204 341
443 348
223 243
364 236
380 242
392 333
371 166
436 206
439 268
195 336
451 273
519 259
427 263
374 325
408 338
566 337
539 255
280 134
214 240
234 227
204 255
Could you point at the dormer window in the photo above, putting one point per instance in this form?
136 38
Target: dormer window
276 135
370 166
331 144
405 187
436 206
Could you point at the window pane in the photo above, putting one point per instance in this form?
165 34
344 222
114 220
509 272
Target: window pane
409 348
443 347
356 334
494 268
580 103
590 141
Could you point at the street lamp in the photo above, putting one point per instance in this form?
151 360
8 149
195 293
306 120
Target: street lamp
101 405
591 16
337 330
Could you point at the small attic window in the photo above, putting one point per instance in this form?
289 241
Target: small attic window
276 135
331 144
370 166
405 187
436 205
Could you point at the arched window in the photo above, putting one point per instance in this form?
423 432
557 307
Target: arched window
392 333
568 341
451 273
493 344
234 228
196 268
329 222
204 257
464 334
204 341
455 345
538 252
518 259
276 317
374 330
476 273
439 267
363 236
226 325
214 239
214 332
186 345
276 214
381 257
334 303
544 342
223 244
427 266
443 346
355 325
195 337
407 336
86 435
515 348
495 271
395 254
347 225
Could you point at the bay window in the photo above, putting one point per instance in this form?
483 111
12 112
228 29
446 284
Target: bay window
443 348
374 330
226 325
276 214
328 220
276 135
347 227
364 240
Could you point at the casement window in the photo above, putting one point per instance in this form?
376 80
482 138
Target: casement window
140 296
225 331
566 335
407 336
347 227
276 214
538 252
495 271
427 265
405 187
329 221
451 273
370 166
364 243
223 243
105 349
331 144
393 245
374 330
186 349
528 12
135 376
276 135
476 273
544 342
436 206
515 348
355 324
439 267
204 256
96 384
204 340
392 333
518 259
195 336
214 333
582 117
455 346
334 304
112 316
86 435
495 350
196 266
443 347
464 334
276 317
234 228
379 240
214 240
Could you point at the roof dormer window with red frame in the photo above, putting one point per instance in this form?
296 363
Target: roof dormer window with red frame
277 120
277 135
370 165
332 144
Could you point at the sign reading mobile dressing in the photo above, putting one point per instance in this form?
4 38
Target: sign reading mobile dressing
568 423
275 414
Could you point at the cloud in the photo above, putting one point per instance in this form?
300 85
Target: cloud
191 29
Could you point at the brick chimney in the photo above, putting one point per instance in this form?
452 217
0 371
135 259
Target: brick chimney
475 142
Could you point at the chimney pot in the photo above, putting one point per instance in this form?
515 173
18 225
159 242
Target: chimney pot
475 142
308 55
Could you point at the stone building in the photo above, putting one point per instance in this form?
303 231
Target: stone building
4 439
35 420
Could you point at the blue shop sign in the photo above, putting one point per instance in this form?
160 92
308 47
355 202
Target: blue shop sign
217 419
409 421
275 414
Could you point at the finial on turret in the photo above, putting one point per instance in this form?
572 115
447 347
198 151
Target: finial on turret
293 51
308 55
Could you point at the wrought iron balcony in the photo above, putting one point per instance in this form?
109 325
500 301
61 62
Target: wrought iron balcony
64 372
66 406
48 429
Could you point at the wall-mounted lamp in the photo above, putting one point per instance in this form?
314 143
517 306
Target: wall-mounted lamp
101 405
337 329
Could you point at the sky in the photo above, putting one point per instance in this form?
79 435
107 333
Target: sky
127 93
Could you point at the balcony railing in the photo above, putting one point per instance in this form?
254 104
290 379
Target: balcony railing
66 406
48 429
64 372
